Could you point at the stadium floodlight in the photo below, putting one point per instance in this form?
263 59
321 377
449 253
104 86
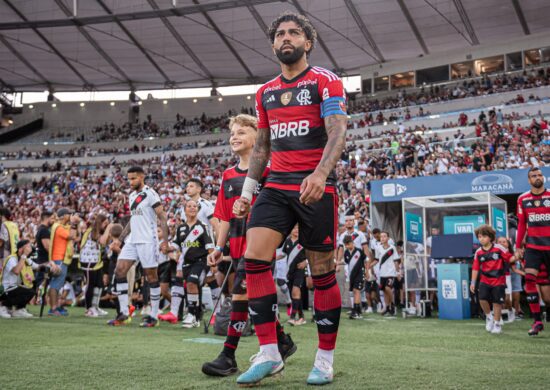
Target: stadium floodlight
112 104
165 102
54 105
31 106
195 100
140 103
220 99
249 97
82 104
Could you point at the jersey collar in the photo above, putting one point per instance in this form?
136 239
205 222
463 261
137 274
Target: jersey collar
287 81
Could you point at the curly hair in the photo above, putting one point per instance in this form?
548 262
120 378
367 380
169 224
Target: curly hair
300 20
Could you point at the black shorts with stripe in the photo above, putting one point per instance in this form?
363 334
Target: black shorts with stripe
280 210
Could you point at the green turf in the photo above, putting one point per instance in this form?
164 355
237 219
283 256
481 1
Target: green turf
78 352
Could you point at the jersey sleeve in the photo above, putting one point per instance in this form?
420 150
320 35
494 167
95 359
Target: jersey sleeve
208 209
207 240
261 113
396 256
221 211
520 234
363 239
333 94
155 199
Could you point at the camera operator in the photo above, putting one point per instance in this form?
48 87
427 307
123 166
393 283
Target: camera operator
17 280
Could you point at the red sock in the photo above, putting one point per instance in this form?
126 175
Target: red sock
533 296
238 318
262 299
328 305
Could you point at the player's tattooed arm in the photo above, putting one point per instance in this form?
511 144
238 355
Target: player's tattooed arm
163 222
127 229
336 126
260 155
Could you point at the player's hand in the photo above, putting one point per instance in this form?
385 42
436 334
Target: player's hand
473 288
164 247
214 258
519 253
312 188
54 268
241 208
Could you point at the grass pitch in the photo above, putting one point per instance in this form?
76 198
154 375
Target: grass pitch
374 353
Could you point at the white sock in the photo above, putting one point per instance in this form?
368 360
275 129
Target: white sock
177 296
327 355
155 301
122 289
96 296
270 349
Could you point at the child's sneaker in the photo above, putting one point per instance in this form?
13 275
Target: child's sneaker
497 328
489 323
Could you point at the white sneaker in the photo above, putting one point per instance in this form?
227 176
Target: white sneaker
369 310
411 311
20 313
26 313
322 372
511 315
489 323
189 321
497 328
101 312
4 312
91 312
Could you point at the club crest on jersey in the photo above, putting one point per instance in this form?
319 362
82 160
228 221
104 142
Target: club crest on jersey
495 256
304 97
537 203
286 98
546 203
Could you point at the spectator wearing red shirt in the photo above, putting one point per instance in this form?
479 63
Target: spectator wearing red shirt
490 260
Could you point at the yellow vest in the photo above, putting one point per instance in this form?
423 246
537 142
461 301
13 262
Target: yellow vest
68 258
26 274
13 232
95 266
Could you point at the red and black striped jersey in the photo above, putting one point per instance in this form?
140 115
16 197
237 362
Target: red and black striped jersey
533 213
293 111
491 263
230 191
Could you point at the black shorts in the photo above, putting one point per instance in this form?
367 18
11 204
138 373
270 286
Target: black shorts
167 271
493 294
357 280
227 266
371 287
297 278
387 282
280 210
195 273
534 258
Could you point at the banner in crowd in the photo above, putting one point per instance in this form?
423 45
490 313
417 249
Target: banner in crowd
512 181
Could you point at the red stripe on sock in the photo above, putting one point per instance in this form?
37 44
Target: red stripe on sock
266 333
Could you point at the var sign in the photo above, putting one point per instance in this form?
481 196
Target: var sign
462 228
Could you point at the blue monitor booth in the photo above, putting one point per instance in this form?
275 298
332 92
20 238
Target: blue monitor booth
439 243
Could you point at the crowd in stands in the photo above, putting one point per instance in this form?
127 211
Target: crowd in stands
487 85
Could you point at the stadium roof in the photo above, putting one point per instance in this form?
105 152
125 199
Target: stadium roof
151 44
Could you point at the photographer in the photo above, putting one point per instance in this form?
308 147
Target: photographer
63 233
42 240
17 280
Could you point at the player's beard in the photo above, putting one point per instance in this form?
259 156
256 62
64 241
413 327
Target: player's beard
289 58
538 184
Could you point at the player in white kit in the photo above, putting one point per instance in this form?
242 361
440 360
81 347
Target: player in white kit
141 245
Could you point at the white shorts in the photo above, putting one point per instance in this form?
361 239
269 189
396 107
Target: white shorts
146 254
508 290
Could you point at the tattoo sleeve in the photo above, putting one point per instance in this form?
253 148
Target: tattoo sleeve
336 126
161 215
260 155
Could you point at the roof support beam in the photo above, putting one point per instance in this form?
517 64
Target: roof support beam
521 17
136 43
257 17
226 42
93 42
466 21
361 24
320 40
413 26
141 15
177 36
49 44
10 47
